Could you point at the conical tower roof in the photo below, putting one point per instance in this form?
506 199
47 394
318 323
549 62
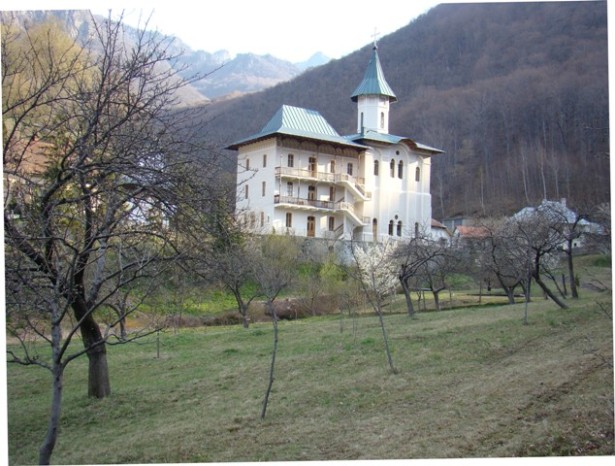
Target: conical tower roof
373 81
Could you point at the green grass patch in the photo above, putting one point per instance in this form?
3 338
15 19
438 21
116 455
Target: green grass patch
472 382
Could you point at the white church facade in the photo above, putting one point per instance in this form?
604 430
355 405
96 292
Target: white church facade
298 175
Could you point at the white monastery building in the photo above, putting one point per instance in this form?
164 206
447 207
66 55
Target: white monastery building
298 175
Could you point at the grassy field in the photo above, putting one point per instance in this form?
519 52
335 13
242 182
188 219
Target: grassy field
472 382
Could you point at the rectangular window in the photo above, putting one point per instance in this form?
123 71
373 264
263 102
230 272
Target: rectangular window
289 220
313 166
331 223
289 189
264 188
262 219
417 174
349 169
247 164
291 160
264 160
245 193
376 167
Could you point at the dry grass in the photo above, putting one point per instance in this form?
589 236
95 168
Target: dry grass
474 382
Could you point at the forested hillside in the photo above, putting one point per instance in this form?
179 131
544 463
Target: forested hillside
516 94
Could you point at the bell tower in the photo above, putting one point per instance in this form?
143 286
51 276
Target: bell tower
373 96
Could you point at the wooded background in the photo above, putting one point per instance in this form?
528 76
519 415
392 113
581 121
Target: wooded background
516 94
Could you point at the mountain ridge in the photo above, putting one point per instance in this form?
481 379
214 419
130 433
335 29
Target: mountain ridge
224 75
515 94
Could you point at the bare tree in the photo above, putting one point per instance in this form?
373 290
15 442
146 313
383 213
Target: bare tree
216 245
436 272
533 233
503 259
570 226
412 257
93 161
274 260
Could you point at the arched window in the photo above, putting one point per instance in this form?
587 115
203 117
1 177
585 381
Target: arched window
399 228
376 167
417 174
393 168
391 226
400 170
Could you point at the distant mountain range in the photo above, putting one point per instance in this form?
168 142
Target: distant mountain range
247 72
225 76
516 94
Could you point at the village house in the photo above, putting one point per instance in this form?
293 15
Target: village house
558 212
298 175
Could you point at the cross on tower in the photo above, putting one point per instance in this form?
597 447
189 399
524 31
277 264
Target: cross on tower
375 36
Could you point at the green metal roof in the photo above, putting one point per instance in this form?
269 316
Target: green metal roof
300 122
373 81
375 136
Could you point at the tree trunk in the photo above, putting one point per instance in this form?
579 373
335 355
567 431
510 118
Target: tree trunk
526 307
99 385
407 292
386 340
510 293
242 306
53 425
436 298
274 318
243 310
548 292
573 284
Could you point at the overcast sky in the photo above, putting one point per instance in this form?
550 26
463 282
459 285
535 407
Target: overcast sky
289 29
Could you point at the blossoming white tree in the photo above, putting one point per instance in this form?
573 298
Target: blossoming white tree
377 275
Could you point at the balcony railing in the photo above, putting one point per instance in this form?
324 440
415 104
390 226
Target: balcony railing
329 205
300 173
340 205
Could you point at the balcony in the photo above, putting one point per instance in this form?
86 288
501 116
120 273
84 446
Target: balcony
357 185
304 203
330 206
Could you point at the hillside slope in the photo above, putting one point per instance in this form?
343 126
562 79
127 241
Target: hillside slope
515 93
